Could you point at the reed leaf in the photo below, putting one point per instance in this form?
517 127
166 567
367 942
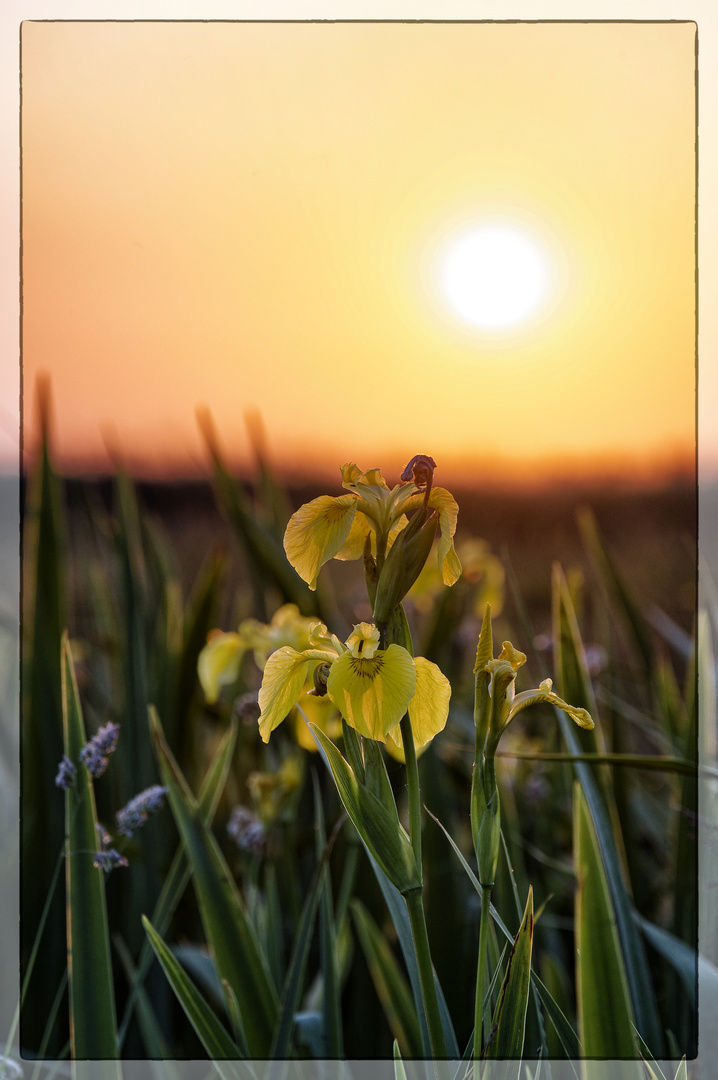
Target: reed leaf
208 1027
93 1029
604 1006
379 828
179 873
45 606
567 656
233 940
507 1037
389 982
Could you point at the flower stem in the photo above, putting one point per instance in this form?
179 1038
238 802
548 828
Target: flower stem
412 785
429 996
480 973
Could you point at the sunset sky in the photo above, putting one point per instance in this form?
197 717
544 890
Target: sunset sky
254 217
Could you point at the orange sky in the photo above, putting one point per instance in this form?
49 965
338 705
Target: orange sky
250 216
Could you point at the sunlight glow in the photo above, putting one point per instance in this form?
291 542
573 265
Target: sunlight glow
494 276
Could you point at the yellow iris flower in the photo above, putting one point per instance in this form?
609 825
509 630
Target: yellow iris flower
336 527
506 703
372 688
219 661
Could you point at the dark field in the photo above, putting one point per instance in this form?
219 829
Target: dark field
651 533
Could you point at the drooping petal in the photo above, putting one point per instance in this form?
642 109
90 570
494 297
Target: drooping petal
284 676
443 501
373 695
316 532
545 693
353 546
218 663
429 707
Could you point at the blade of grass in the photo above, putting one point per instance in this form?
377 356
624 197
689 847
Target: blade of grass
92 1000
565 1032
209 1029
263 550
152 1036
331 1005
604 1006
45 604
294 981
234 942
507 1039
568 652
389 982
179 873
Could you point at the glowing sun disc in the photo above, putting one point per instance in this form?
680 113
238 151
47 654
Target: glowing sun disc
494 276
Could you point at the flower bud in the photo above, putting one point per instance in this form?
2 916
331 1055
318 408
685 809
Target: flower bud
405 561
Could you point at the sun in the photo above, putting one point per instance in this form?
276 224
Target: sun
494 276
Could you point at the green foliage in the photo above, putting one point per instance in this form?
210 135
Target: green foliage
303 951
92 1003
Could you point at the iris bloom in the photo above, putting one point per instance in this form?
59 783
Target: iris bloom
506 703
336 527
372 688
220 659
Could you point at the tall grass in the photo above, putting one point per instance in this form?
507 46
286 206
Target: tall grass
299 946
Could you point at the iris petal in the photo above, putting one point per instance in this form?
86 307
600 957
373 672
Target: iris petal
429 707
316 532
545 693
373 695
284 676
443 501
218 663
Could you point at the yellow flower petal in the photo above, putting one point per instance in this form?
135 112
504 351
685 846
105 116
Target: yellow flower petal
316 710
218 663
429 707
353 546
284 676
373 695
316 532
443 501
363 642
545 693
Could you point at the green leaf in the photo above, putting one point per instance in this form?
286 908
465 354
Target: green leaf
153 1038
507 1038
567 1035
264 551
605 1015
179 873
568 654
331 993
626 603
233 940
209 1029
92 1000
399 1070
400 918
380 830
389 982
294 981
682 958
44 610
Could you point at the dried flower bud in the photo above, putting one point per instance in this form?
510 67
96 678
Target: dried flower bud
421 470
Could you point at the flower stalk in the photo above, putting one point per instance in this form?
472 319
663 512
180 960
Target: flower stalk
495 706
